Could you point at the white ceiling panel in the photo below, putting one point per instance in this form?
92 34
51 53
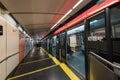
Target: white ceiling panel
33 5
40 15
26 19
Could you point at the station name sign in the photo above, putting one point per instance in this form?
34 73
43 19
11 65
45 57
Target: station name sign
1 30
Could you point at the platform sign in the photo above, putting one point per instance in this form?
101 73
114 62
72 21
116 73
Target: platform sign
1 30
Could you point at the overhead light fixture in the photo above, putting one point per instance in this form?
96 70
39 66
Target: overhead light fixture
62 18
10 19
24 32
27 35
77 4
67 13
20 28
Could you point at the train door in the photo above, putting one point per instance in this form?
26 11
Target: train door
63 46
50 46
98 47
48 42
44 44
54 46
75 48
115 25
58 51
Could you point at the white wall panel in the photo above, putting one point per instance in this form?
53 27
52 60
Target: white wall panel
3 50
12 39
3 70
3 40
12 63
12 47
9 44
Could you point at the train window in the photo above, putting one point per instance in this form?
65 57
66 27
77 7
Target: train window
50 46
62 37
47 44
75 37
63 46
115 21
75 48
115 24
97 27
54 46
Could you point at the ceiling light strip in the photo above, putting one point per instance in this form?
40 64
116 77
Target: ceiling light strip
68 13
20 28
77 4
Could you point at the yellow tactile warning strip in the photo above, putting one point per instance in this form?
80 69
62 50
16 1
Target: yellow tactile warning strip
71 75
50 56
66 69
46 52
53 58
56 61
31 72
34 61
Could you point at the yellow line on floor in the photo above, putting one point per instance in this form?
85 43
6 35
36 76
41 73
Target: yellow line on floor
71 75
34 61
53 58
31 72
43 49
56 61
46 52
50 56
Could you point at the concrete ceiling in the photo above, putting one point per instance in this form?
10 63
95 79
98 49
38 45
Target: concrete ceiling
38 16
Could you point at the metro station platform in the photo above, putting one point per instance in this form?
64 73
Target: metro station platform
40 65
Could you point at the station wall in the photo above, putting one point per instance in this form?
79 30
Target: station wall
9 45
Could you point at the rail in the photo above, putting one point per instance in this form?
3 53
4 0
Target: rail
104 60
10 56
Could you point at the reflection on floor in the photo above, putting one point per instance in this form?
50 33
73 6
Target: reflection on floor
77 61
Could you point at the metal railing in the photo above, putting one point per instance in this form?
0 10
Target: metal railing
104 60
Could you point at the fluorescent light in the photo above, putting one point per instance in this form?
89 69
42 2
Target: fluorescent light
62 18
24 32
10 19
77 4
67 13
27 35
20 29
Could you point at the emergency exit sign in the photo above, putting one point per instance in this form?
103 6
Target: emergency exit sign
1 30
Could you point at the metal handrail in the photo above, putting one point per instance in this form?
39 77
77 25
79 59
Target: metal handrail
104 60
